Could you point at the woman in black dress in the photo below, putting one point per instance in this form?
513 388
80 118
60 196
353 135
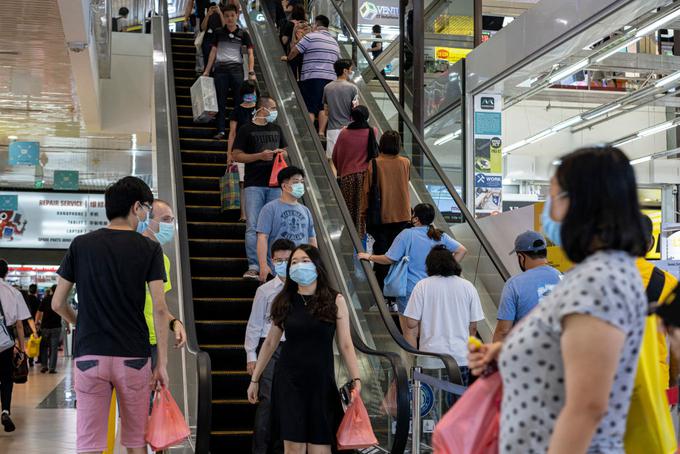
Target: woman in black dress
306 402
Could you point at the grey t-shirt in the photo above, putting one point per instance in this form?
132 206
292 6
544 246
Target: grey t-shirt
607 285
339 95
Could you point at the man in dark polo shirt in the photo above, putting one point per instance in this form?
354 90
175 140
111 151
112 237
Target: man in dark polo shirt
227 58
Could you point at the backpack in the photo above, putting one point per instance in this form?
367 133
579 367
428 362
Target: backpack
300 30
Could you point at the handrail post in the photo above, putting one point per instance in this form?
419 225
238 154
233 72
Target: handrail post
415 424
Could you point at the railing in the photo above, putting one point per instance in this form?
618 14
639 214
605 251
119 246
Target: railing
197 401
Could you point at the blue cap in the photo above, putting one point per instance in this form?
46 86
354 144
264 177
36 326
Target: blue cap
529 241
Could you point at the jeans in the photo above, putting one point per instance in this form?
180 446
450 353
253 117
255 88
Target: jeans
228 77
49 347
262 437
6 382
256 198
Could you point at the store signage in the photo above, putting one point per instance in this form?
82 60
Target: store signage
66 180
8 202
24 153
488 159
45 220
451 54
383 12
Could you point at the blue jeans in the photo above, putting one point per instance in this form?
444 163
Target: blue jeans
256 198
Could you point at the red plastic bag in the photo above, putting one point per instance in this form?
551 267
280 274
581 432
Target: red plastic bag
167 426
355 431
279 165
472 425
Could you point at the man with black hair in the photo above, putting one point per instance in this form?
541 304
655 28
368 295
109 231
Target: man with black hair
13 311
285 218
259 324
49 323
120 23
256 145
523 292
111 268
339 97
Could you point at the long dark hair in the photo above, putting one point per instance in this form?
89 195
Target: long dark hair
322 305
604 212
360 121
425 214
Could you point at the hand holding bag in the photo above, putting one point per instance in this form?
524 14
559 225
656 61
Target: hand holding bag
355 431
167 426
279 165
230 190
472 425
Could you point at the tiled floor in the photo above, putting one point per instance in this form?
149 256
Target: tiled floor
43 412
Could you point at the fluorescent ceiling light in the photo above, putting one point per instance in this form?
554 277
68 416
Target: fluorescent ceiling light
641 160
557 162
658 23
626 140
657 128
514 146
527 83
447 138
566 123
568 71
541 136
602 111
668 79
617 49
12 137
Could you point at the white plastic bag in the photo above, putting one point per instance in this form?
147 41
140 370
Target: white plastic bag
203 99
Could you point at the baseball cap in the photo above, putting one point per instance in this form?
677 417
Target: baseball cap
529 241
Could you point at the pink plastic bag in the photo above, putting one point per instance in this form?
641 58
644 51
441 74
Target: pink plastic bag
167 426
471 426
355 431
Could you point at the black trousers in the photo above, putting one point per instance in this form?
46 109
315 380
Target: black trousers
384 237
227 78
6 382
262 437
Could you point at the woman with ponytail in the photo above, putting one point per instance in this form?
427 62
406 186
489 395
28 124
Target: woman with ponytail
416 243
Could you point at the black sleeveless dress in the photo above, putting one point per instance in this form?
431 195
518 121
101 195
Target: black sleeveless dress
306 401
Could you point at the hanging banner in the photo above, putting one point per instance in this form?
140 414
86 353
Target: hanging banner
488 155
66 180
24 153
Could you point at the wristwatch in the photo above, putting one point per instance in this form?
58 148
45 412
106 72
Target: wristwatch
251 73
172 324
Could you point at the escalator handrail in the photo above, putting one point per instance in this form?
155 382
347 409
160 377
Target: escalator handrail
450 364
426 150
203 363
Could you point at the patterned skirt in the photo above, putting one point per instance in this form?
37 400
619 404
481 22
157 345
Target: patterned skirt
351 186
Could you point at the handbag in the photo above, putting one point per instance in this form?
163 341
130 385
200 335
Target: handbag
472 425
198 42
374 214
167 426
230 190
6 339
355 431
33 346
396 281
279 165
20 372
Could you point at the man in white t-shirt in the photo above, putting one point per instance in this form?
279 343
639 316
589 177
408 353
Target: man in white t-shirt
444 309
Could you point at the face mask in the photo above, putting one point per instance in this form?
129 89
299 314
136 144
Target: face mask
551 228
250 97
281 269
143 225
522 264
303 273
166 230
350 75
297 190
272 116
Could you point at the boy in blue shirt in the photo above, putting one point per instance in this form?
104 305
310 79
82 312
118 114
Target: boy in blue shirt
523 292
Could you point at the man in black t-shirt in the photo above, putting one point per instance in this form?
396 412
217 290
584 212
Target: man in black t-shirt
111 268
256 145
49 324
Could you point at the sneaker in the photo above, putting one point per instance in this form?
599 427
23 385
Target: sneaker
394 307
43 370
53 371
7 422
219 136
251 274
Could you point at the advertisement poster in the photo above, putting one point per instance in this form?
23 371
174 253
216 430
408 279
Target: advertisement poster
488 156
24 153
66 180
381 12
451 54
48 220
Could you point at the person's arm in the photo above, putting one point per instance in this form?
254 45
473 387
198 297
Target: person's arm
503 328
473 329
268 348
591 349
187 10
204 24
507 311
38 317
223 19
59 303
256 322
34 330
380 259
313 242
262 246
251 63
344 342
211 61
460 253
233 125
20 335
241 156
411 334
178 329
673 370
160 317
294 52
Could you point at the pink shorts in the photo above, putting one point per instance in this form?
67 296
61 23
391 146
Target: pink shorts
95 378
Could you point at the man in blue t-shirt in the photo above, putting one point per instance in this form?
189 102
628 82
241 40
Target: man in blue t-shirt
284 218
524 291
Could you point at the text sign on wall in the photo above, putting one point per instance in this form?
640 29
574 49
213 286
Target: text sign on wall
45 220
24 153
488 158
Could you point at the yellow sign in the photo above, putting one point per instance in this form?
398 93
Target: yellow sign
451 54
454 25
556 256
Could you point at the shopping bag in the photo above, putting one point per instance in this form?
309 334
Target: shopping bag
230 192
472 425
20 371
203 99
355 431
167 426
649 427
396 281
279 164
198 42
33 346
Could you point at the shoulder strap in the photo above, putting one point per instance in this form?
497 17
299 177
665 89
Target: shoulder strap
655 285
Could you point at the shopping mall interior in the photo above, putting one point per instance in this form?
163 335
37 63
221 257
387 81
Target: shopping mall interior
487 96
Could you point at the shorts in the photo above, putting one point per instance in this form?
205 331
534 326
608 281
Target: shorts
331 139
312 93
241 171
95 377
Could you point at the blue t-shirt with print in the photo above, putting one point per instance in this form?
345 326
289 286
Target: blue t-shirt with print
522 292
285 220
420 246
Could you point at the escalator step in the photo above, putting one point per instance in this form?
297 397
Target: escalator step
216 229
205 198
229 331
204 169
203 144
233 415
230 385
222 355
223 266
201 183
205 156
212 214
213 287
216 308
217 248
231 441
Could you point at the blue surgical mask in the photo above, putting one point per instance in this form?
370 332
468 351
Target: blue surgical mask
272 116
143 225
303 273
250 97
297 190
166 230
281 269
551 228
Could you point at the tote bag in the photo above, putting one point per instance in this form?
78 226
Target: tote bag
279 165
396 282
230 191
